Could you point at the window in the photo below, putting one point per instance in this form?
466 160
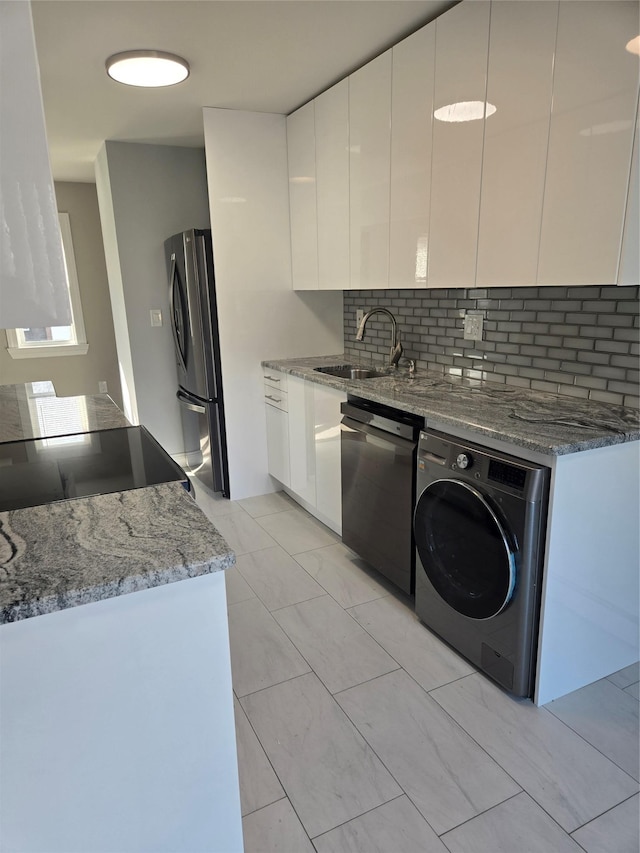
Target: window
55 340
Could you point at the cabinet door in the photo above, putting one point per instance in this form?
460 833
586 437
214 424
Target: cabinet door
462 36
411 120
278 443
629 272
33 281
302 198
301 439
521 48
369 160
327 417
594 103
332 186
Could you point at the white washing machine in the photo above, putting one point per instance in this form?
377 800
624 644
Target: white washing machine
479 524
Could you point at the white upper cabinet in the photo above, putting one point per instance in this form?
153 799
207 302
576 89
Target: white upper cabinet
411 123
33 282
519 85
629 272
594 104
370 160
332 186
302 197
490 148
462 39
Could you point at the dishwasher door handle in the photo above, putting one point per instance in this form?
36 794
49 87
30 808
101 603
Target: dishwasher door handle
348 424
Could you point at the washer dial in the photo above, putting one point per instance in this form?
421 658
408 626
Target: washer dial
464 460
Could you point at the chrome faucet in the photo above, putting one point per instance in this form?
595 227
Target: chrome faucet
395 352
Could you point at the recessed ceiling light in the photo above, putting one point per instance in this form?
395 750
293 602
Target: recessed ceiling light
149 68
465 111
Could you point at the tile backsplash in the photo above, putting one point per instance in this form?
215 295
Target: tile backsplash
577 341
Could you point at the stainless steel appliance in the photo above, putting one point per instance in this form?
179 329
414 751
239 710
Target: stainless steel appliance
480 525
194 322
378 451
44 470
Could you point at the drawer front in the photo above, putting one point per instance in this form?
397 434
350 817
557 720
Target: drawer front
275 379
275 397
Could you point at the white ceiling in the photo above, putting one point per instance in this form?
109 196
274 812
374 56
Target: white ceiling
264 55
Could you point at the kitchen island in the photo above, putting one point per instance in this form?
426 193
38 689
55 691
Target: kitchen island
116 714
589 617
32 410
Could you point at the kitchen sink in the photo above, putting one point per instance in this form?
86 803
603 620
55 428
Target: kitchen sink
347 371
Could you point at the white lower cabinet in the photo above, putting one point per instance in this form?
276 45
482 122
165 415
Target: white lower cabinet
303 444
277 419
327 416
278 443
92 701
302 462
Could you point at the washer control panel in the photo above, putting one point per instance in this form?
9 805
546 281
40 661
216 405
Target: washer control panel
468 461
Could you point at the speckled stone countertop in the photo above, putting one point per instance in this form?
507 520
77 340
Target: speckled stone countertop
542 422
27 413
79 551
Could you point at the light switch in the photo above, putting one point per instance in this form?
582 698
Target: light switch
156 317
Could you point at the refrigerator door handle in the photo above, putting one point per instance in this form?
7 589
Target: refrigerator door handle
172 305
188 404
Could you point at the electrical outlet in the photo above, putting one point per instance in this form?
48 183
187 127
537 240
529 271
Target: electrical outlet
156 317
102 387
359 316
473 327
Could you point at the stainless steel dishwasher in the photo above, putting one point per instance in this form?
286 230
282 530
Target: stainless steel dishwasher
378 452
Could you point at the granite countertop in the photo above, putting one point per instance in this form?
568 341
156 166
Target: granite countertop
546 423
79 551
32 411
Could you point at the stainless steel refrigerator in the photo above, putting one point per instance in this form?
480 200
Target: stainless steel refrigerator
194 321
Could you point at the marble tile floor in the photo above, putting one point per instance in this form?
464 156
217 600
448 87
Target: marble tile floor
358 730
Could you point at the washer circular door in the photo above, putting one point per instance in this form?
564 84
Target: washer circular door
464 549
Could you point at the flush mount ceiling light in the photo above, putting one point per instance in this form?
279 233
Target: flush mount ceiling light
465 111
149 68
633 46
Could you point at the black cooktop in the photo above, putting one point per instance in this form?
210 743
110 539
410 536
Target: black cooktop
44 470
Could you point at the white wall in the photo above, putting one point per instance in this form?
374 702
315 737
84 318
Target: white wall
260 317
78 374
116 289
146 194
